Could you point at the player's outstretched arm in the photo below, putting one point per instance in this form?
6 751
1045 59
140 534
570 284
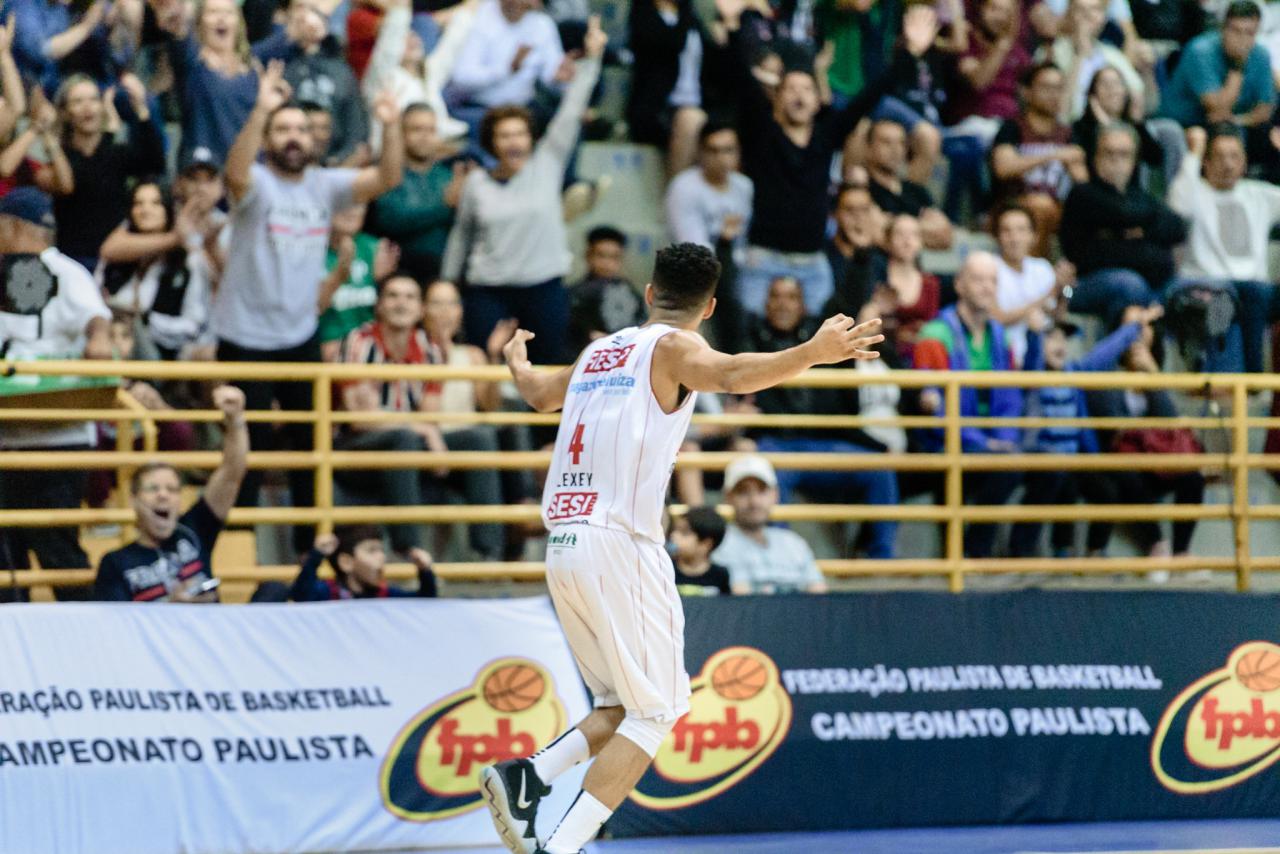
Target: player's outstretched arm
691 362
543 390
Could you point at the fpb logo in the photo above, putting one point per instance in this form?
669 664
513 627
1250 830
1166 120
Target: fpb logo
1225 727
739 714
432 769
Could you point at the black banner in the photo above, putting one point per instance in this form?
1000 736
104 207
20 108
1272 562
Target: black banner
908 709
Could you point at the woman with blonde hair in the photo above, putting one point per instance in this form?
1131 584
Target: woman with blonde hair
216 83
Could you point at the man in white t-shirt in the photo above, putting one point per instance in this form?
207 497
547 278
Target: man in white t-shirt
1027 288
762 558
267 306
50 308
712 199
1230 218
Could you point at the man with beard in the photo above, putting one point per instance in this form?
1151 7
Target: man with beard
266 309
172 556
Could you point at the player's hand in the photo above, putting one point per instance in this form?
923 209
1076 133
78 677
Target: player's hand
517 352
326 544
230 400
840 339
420 557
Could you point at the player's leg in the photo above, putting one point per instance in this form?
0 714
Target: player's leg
615 772
643 647
577 745
514 789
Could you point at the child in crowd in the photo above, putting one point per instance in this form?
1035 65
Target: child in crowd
359 560
1066 487
694 536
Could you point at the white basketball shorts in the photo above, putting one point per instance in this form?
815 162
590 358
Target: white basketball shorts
616 598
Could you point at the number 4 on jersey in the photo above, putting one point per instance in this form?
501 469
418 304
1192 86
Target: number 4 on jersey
575 445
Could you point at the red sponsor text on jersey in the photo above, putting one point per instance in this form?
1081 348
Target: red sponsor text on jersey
566 505
607 360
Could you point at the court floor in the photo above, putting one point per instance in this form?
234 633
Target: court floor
1241 836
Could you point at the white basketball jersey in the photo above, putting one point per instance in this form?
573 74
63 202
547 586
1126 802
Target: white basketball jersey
616 448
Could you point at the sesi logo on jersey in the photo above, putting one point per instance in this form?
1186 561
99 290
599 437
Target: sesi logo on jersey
566 505
607 360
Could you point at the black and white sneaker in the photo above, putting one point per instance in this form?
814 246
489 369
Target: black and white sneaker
512 789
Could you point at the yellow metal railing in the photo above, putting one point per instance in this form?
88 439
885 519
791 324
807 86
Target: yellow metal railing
1230 391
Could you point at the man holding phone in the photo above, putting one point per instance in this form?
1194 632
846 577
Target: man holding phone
171 560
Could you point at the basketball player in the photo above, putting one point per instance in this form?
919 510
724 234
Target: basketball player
627 403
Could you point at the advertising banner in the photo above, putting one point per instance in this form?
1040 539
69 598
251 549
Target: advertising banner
900 709
272 728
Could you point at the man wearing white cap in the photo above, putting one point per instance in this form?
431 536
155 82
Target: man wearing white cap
762 558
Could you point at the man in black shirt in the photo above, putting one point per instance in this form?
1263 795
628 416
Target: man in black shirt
172 556
1120 237
894 194
787 145
603 302
860 227
785 325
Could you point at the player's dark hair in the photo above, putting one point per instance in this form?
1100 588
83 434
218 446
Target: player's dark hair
312 107
606 234
1243 9
350 536
684 277
706 524
135 482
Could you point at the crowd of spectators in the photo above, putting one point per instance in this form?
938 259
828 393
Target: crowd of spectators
386 182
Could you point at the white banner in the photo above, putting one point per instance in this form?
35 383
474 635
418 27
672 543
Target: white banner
271 728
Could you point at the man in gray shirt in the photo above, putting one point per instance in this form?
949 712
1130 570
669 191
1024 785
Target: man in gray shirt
761 558
266 309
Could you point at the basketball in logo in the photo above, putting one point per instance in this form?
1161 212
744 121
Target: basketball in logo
1259 669
513 688
739 677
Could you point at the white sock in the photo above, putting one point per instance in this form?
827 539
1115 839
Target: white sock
560 755
579 825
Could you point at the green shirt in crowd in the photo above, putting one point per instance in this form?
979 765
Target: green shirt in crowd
414 214
849 31
353 301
